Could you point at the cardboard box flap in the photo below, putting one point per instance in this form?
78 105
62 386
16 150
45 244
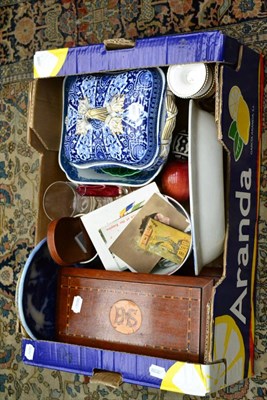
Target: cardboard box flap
240 130
85 360
149 52
44 117
176 376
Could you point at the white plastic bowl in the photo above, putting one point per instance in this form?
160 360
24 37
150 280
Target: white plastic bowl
206 187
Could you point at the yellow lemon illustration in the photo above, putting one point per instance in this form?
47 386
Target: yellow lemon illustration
243 120
195 379
233 101
49 62
229 346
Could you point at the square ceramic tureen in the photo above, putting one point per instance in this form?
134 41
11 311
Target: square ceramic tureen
115 119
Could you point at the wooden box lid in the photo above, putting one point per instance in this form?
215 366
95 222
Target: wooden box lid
161 316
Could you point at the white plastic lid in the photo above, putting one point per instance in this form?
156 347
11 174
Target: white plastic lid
187 80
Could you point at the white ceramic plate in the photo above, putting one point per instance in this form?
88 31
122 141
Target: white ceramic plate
206 185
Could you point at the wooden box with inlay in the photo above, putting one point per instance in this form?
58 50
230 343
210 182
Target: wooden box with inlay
154 315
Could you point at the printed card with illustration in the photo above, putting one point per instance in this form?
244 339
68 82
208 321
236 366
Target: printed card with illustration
165 241
126 246
104 224
112 230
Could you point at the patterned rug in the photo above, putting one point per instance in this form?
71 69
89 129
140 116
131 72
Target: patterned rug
26 27
33 25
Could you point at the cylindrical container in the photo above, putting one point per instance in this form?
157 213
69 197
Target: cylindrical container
193 80
62 200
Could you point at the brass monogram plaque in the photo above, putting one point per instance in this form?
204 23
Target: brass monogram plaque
125 317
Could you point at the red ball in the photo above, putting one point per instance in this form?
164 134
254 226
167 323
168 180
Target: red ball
175 180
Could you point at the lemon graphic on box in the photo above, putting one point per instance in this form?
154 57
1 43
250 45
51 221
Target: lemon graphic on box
229 346
240 126
194 379
243 120
227 366
233 101
49 62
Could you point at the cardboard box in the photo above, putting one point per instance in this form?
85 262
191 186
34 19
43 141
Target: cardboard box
230 338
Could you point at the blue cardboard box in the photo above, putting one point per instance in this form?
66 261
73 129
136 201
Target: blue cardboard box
230 334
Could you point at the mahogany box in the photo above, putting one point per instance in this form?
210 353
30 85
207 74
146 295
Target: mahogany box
154 315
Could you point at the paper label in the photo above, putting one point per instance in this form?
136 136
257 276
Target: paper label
77 304
157 371
29 351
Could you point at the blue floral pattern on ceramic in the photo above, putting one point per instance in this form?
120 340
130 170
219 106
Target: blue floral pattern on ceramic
97 176
113 119
37 294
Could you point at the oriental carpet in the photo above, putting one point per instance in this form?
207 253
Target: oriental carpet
27 26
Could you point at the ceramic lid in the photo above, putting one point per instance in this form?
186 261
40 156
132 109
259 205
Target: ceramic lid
113 119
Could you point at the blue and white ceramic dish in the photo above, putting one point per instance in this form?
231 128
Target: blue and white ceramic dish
138 177
113 119
36 294
97 176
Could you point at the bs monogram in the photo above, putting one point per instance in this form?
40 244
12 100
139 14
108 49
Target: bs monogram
125 316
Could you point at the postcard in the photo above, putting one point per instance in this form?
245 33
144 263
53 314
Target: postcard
105 224
112 230
126 246
165 241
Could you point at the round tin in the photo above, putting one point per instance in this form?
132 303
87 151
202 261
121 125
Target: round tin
194 80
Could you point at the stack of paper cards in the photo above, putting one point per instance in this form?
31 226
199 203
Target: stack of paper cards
117 228
127 245
105 224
